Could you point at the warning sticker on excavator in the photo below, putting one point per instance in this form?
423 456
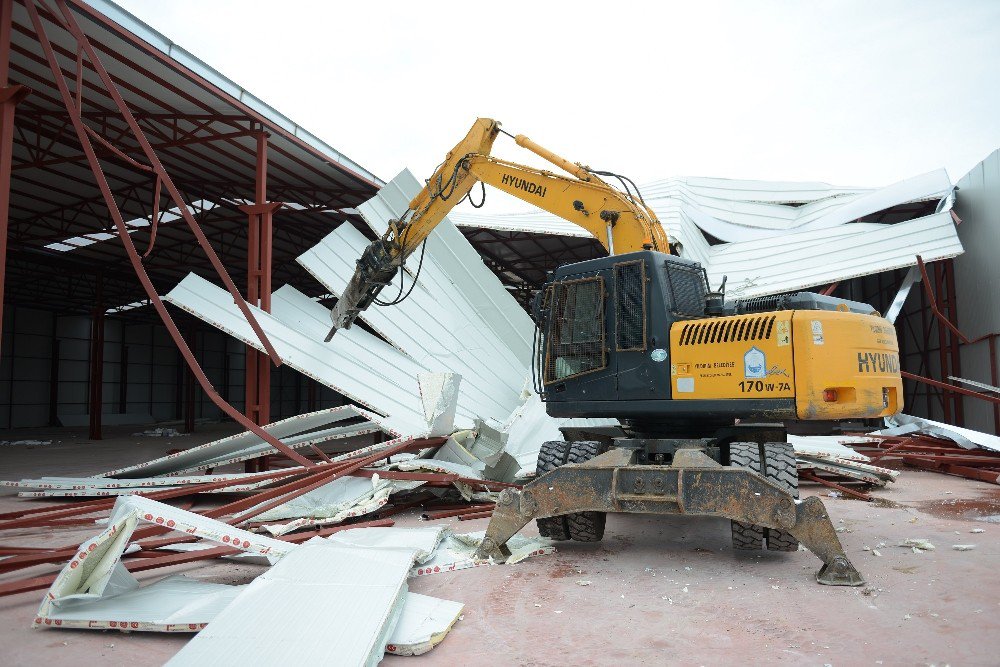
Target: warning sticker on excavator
817 330
783 335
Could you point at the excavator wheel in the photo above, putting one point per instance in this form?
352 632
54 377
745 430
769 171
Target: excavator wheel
775 461
586 526
746 536
779 466
553 454
579 526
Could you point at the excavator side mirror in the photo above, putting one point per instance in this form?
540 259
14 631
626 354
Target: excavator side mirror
715 301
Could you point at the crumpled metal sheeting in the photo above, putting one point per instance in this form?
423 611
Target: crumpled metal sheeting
460 263
344 364
832 446
435 325
323 603
457 552
423 541
95 573
820 242
297 431
903 424
173 604
436 465
423 624
341 499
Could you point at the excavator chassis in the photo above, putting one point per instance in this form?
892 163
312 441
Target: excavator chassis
694 484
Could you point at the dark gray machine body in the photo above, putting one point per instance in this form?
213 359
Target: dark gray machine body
603 341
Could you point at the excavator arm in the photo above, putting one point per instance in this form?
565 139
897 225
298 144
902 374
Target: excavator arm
619 220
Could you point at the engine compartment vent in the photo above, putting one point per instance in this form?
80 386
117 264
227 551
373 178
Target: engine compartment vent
728 330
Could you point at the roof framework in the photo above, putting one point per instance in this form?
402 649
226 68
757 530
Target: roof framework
204 130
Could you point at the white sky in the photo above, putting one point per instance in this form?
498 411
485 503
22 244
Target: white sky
850 93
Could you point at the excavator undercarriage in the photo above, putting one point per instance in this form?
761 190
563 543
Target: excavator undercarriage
694 484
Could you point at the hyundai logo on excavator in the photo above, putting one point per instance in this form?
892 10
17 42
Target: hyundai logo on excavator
523 184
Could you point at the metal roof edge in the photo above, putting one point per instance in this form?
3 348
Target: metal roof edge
227 86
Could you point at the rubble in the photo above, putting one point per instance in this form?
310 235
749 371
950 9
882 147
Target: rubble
366 566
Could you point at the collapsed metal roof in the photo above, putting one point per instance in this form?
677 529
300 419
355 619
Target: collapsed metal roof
769 237
202 126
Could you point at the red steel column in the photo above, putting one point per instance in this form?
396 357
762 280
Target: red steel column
259 253
96 403
9 98
951 311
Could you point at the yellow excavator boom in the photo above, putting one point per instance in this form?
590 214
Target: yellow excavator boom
620 220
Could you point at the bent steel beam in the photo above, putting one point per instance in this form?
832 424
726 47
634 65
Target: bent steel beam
84 135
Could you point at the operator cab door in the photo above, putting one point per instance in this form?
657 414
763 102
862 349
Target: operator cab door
629 334
578 363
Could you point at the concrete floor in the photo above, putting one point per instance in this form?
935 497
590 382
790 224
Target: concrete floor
662 591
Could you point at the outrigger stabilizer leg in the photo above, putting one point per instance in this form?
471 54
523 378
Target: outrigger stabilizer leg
694 485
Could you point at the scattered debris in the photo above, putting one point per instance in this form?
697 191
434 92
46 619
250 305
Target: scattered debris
963 547
30 443
159 433
918 545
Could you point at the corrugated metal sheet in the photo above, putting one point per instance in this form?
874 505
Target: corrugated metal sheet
438 325
298 431
774 246
322 604
346 363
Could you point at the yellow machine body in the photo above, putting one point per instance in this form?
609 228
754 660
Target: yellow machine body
836 365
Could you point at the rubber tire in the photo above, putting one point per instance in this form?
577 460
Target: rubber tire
586 526
746 536
552 454
779 464
775 461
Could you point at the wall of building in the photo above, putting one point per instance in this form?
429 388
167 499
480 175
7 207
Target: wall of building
977 277
45 372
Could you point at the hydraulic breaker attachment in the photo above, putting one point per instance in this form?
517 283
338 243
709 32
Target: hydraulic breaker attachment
694 485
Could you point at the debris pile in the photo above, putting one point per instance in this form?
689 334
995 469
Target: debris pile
833 463
931 445
366 566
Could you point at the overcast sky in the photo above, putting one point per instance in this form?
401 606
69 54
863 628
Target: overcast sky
850 93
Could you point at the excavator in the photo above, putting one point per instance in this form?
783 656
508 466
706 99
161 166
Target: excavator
705 389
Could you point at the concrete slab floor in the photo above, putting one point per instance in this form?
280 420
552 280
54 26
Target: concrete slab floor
661 591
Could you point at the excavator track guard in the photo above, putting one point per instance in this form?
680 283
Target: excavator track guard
694 484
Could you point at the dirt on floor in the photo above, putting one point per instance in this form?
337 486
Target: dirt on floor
661 590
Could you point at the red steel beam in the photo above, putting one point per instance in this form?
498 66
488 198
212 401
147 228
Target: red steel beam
950 387
807 475
10 96
37 164
38 583
123 230
470 509
992 477
256 504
